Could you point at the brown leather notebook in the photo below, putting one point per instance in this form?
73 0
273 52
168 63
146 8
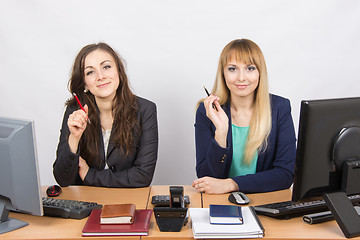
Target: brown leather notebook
117 214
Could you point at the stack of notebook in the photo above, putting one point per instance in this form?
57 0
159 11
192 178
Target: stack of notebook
225 222
118 220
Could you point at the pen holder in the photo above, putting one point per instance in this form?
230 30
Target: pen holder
170 219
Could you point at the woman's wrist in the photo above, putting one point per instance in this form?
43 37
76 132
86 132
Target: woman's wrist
220 137
231 185
73 143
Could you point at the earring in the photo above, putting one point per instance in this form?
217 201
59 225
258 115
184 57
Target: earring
86 90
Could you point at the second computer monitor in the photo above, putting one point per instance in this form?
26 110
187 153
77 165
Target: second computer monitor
328 142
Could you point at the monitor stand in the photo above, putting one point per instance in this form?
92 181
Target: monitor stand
8 224
344 213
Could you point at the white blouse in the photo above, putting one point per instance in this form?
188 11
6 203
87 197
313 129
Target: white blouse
106 137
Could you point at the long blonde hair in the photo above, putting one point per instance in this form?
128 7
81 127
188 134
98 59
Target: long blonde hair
247 52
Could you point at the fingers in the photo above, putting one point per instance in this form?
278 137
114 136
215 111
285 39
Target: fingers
210 101
78 119
83 168
199 185
217 104
86 108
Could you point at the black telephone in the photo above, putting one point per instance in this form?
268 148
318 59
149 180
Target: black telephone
172 216
164 200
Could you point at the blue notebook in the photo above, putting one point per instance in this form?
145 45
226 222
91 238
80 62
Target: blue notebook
225 214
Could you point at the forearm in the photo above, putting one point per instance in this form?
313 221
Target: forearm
73 143
220 137
266 181
132 177
66 165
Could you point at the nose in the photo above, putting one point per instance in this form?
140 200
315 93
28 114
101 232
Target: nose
242 76
100 75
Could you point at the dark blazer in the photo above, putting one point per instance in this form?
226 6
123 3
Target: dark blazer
275 165
136 170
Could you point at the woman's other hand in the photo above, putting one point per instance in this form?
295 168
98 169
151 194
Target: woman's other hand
212 185
83 168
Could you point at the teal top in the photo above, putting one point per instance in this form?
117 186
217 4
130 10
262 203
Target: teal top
238 167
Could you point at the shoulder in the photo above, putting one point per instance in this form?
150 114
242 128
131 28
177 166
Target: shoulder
145 105
70 109
278 102
201 108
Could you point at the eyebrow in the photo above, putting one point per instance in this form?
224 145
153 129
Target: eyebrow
100 64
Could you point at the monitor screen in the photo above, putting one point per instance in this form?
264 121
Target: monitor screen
19 175
328 141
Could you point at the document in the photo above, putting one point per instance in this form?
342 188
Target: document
202 228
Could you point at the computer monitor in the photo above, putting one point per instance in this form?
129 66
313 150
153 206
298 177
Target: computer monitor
19 175
328 148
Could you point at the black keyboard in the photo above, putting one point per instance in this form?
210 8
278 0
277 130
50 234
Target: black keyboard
289 209
164 200
68 208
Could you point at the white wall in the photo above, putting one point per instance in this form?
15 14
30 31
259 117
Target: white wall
312 49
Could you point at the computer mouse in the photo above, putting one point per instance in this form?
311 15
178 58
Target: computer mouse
53 191
238 198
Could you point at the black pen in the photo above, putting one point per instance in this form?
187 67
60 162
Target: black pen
213 104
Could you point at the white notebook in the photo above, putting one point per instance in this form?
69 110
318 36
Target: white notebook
251 228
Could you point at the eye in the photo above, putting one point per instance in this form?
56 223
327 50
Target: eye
88 73
107 66
231 69
251 68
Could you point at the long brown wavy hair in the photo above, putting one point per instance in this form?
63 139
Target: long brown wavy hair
125 126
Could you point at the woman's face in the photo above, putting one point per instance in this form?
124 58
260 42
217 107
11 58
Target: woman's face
241 79
101 75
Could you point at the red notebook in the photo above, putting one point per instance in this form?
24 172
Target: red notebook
140 227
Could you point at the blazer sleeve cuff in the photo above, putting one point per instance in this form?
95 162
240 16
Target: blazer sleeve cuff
89 178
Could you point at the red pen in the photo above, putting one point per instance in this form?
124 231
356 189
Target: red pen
82 108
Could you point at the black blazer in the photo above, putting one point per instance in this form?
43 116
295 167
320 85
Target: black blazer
136 170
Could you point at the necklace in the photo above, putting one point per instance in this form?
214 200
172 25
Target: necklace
233 119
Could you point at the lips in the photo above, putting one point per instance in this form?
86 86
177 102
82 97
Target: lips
242 86
103 85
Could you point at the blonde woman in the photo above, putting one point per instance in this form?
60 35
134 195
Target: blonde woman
245 137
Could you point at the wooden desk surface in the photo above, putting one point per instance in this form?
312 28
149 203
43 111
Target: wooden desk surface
58 228
186 231
294 228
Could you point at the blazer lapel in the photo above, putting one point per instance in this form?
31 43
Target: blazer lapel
228 113
111 144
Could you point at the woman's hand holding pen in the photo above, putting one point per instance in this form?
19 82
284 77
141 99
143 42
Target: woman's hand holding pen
218 118
77 123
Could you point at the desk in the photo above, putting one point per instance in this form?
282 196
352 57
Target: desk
294 228
186 231
58 228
